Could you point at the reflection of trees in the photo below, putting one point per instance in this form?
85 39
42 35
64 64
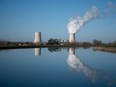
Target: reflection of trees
75 63
54 49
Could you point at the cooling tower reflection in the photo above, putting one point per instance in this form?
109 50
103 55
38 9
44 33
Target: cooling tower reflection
91 73
75 63
37 51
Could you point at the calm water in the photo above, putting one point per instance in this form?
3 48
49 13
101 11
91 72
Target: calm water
64 67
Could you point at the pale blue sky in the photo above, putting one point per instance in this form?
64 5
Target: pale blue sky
19 19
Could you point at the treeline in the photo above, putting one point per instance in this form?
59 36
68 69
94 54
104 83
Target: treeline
100 43
4 43
94 43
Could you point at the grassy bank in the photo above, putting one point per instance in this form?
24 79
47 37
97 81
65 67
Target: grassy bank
110 47
105 48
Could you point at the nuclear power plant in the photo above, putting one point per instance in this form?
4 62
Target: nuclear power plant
37 37
37 40
72 38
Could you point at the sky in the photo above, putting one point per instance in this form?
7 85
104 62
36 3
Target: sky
20 19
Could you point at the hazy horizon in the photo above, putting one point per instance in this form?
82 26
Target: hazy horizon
20 19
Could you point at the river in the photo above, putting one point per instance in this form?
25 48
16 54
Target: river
57 67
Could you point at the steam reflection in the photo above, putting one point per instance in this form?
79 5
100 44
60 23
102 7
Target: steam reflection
75 63
79 66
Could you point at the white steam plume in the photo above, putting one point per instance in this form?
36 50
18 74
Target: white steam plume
76 23
110 7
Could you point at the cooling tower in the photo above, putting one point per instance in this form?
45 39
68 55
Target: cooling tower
37 37
72 38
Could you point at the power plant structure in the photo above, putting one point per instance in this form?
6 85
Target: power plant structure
72 38
37 40
37 37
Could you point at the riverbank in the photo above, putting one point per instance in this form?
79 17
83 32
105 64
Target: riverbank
111 49
36 46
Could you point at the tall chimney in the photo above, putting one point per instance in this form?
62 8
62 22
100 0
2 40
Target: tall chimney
72 38
37 37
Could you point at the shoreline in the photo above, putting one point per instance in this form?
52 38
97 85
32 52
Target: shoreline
111 49
105 49
38 46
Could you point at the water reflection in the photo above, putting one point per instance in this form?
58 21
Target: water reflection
37 51
52 69
54 49
75 63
